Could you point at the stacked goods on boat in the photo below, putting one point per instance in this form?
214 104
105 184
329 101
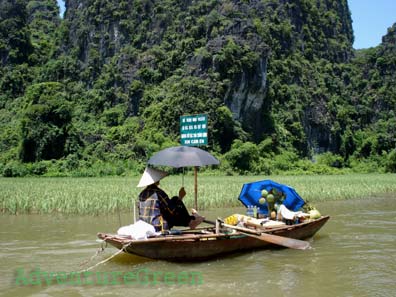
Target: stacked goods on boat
278 211
270 211
312 211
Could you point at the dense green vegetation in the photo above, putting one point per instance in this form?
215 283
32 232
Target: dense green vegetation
99 91
113 194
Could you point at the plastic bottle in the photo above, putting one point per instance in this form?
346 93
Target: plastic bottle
259 212
249 211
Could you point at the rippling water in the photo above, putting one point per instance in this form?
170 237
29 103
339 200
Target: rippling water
352 255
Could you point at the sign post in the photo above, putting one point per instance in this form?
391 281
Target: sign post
194 132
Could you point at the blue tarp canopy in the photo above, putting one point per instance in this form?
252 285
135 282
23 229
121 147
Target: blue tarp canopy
251 193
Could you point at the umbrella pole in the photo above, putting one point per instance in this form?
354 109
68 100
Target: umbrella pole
196 187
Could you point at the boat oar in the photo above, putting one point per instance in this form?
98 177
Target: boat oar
271 238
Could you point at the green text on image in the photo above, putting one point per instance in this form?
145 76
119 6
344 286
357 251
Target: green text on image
143 276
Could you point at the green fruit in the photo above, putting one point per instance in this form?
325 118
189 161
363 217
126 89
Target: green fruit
270 198
314 214
262 200
264 193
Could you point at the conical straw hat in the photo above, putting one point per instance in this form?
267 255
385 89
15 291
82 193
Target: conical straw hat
151 176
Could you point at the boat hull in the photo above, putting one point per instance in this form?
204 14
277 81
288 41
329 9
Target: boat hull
198 247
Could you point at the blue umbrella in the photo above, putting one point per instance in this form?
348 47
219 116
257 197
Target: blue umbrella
251 193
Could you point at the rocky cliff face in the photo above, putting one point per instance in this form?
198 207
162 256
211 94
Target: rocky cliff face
274 63
373 95
281 73
133 32
203 37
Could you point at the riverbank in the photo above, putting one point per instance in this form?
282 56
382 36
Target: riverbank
112 194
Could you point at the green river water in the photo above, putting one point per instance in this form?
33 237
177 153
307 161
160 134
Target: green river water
354 254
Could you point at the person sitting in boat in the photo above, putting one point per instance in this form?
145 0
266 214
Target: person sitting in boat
157 209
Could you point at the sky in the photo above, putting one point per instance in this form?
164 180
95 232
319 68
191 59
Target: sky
61 4
371 19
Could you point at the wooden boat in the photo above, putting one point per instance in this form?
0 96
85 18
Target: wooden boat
205 243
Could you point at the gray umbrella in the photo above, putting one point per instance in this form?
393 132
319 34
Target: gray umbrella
184 156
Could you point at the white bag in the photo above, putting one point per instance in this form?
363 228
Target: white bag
139 230
286 213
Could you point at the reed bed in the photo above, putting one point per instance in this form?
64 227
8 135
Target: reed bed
112 194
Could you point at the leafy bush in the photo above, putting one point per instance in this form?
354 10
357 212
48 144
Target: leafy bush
264 166
45 123
15 169
331 160
39 168
391 162
243 156
285 161
365 165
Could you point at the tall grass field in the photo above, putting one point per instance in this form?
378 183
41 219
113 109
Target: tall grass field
112 194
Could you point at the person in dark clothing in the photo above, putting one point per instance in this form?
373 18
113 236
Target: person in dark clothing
157 209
